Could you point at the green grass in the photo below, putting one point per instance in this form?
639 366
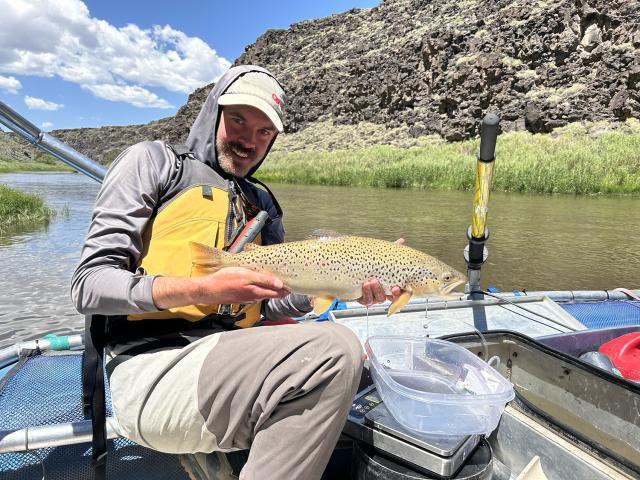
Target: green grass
18 208
594 158
568 161
42 163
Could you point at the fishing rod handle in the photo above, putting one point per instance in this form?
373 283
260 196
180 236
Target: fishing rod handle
250 231
488 136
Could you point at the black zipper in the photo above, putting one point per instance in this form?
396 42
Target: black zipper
231 213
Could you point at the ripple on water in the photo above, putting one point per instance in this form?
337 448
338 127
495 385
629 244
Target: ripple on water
537 242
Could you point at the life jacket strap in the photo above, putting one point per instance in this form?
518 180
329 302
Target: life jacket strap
180 150
93 392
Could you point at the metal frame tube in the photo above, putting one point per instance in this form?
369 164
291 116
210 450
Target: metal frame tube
27 130
11 354
45 436
418 304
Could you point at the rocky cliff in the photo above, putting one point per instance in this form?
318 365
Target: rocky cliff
438 66
425 67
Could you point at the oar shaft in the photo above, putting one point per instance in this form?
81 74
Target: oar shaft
27 130
478 233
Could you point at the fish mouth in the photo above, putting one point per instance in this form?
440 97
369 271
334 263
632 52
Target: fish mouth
447 290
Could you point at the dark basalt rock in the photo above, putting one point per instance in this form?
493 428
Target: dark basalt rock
539 64
436 67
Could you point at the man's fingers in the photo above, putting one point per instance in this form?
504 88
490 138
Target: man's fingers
372 292
400 241
378 292
367 296
267 281
261 293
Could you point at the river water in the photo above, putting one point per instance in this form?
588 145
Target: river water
536 242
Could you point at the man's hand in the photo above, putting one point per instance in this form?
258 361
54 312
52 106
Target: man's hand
372 291
239 285
227 285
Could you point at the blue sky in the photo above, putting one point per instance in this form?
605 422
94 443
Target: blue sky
69 63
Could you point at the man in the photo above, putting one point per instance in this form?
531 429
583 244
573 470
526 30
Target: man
184 377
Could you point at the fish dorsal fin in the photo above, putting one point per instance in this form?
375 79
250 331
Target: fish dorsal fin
205 259
323 234
251 246
204 254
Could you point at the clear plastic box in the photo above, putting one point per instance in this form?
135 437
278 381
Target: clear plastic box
437 387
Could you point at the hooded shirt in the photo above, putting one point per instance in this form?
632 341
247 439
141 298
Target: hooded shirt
200 140
145 176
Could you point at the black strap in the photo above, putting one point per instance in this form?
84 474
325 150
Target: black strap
181 150
93 390
122 330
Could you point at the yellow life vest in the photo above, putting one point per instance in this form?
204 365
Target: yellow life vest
194 216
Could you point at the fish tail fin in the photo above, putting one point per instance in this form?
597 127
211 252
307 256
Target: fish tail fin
206 259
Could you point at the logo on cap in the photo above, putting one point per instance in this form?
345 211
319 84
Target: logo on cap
275 98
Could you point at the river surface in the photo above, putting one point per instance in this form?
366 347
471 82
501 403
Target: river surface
536 242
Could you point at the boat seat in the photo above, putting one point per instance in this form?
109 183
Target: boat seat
46 389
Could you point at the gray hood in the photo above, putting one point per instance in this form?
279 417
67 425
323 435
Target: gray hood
202 138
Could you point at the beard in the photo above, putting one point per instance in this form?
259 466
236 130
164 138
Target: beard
227 152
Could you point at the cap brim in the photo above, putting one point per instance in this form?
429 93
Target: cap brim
253 101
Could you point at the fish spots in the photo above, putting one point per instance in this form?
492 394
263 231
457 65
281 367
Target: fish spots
338 266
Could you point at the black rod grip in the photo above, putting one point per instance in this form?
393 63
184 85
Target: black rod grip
488 136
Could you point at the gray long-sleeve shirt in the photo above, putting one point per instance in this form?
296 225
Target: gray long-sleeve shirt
107 280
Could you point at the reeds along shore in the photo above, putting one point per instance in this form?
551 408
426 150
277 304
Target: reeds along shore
571 162
18 208
577 159
12 166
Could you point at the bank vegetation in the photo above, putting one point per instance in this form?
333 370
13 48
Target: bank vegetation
594 158
21 209
42 163
577 159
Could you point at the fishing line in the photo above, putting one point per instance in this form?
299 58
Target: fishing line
526 310
425 323
367 308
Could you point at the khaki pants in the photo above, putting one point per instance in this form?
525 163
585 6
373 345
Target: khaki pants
283 391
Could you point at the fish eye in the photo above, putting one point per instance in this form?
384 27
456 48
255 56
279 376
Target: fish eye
447 277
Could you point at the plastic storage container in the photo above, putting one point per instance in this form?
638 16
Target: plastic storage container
437 387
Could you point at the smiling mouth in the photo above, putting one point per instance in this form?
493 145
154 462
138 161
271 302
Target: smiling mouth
238 153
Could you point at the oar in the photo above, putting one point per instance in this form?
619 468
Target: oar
476 253
27 130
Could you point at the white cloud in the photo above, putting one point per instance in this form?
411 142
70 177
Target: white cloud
138 96
10 84
46 125
34 103
59 37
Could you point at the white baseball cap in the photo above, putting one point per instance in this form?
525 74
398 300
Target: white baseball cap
259 90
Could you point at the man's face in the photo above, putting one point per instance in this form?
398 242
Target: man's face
243 136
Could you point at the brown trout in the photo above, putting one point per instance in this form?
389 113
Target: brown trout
335 266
